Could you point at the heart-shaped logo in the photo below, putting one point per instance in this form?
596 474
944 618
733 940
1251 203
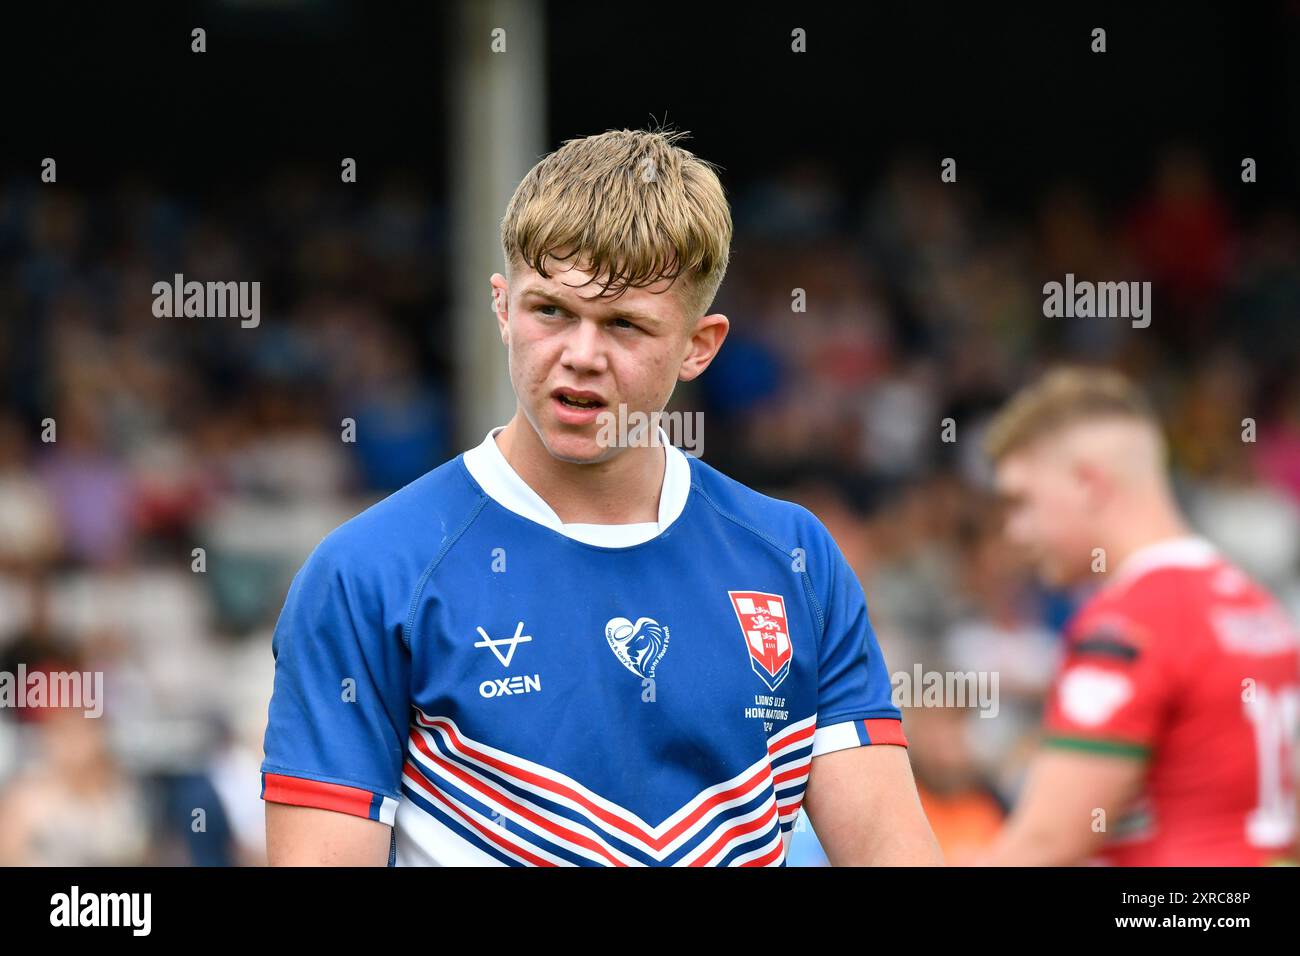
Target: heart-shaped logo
639 647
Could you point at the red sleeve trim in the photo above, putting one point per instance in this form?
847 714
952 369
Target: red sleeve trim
884 730
301 792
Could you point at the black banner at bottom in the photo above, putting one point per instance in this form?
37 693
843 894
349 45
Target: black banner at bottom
211 906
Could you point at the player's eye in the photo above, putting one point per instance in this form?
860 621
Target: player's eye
625 324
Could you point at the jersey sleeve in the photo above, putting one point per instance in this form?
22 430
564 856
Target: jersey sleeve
1112 688
336 732
854 697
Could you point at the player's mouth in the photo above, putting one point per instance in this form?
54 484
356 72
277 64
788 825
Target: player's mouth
576 407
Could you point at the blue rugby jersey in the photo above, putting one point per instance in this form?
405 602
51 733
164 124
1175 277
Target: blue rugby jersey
502 688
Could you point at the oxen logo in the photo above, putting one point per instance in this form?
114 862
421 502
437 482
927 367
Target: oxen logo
640 646
767 636
509 643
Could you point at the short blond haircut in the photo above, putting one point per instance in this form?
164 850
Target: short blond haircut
633 207
1062 398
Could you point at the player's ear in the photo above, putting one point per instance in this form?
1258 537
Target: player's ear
705 341
501 305
1095 481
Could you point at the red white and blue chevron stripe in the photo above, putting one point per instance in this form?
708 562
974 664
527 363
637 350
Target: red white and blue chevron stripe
468 802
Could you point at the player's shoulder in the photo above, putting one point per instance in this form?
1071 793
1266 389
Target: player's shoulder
404 527
1192 575
1171 590
1134 610
785 524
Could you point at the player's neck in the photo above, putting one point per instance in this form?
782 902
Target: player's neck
624 490
1162 523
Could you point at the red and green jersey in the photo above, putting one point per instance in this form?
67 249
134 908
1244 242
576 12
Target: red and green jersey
1183 662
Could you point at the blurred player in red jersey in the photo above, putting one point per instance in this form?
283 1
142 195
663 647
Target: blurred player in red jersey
1170 732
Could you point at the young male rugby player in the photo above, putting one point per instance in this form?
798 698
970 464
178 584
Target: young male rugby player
1170 733
558 649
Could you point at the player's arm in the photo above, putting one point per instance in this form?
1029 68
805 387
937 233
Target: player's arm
307 836
339 713
860 795
1102 719
862 802
18 810
1069 798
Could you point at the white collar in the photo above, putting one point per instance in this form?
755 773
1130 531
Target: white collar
502 483
1187 551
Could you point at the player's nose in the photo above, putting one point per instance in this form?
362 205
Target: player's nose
584 349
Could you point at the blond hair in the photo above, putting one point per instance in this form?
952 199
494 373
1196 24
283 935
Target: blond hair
1061 398
635 209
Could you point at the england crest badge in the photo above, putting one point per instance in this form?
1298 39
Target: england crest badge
767 635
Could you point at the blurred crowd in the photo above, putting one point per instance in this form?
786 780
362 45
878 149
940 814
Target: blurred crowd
197 463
